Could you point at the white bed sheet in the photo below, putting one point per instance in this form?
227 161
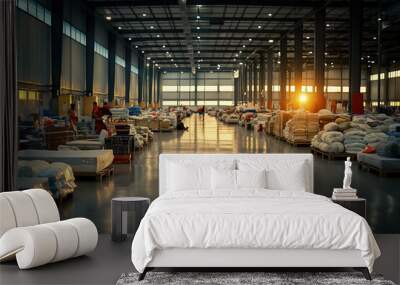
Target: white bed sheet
252 218
81 161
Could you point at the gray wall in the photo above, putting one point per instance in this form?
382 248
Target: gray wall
33 50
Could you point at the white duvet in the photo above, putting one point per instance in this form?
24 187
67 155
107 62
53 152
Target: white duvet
250 219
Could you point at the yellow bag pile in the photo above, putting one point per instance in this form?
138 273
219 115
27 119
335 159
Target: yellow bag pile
302 127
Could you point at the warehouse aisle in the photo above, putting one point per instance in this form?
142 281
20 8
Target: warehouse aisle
92 199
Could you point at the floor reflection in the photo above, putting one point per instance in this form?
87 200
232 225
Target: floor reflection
206 135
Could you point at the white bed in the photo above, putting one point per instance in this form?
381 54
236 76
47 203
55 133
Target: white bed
83 162
248 227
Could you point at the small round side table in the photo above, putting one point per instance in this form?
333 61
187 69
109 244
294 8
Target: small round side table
120 206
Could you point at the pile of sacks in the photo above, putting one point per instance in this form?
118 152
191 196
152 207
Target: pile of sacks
280 122
302 127
60 176
350 136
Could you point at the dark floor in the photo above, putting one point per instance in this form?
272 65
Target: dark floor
110 260
92 199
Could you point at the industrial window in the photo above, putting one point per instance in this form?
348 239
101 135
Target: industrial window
134 69
99 49
73 33
36 10
120 61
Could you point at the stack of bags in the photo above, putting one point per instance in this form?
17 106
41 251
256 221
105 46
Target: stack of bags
344 194
330 139
59 176
302 127
280 122
325 116
120 113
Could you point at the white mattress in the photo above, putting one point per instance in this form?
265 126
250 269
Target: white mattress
86 144
253 218
81 161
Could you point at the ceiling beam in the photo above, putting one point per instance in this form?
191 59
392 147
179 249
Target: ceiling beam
227 31
225 19
266 3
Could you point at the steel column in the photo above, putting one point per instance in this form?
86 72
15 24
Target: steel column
56 49
386 86
262 81
128 55
283 73
245 93
89 52
298 59
111 66
319 101
356 15
270 68
150 83
255 83
368 99
140 78
250 97
379 53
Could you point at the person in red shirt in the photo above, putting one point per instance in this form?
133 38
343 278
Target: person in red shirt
73 118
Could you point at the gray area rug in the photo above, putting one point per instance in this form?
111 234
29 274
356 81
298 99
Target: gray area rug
232 278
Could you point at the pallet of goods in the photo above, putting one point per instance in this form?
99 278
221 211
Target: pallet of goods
300 130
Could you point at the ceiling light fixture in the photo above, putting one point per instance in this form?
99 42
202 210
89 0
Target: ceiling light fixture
259 27
198 27
240 51
270 41
236 55
172 59
163 46
244 46
148 58
198 37
250 39
307 38
108 18
144 14
119 28
157 36
310 52
374 38
197 17
151 27
136 46
269 14
130 39
328 25
142 51
198 51
241 63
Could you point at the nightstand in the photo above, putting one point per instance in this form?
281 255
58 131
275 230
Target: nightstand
358 206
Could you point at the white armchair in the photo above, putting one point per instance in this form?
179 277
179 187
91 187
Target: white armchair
31 230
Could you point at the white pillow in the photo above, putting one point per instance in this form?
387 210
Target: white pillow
223 179
292 175
183 178
251 178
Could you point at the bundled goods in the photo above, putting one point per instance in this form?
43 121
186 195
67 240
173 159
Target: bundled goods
344 194
120 144
281 119
325 116
134 111
232 119
302 127
60 179
329 141
120 113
